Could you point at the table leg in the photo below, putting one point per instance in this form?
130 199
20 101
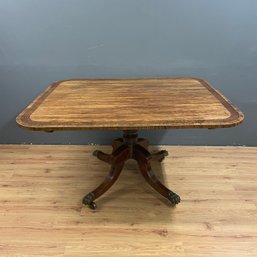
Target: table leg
159 156
143 142
117 160
103 156
143 160
117 143
130 147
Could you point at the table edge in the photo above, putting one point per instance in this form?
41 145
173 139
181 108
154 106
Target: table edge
236 117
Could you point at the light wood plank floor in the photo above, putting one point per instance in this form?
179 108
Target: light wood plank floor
41 214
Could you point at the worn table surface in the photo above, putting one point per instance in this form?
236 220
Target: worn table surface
127 104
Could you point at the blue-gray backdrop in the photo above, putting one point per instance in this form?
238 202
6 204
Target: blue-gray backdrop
45 41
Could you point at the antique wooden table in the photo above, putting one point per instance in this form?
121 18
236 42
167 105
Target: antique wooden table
129 105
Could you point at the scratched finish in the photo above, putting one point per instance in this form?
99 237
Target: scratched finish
130 104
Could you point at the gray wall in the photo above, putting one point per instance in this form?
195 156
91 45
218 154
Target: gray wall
44 41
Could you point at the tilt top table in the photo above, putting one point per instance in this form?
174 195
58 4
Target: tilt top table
129 105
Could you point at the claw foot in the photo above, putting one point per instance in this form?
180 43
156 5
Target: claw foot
88 200
95 153
174 198
164 154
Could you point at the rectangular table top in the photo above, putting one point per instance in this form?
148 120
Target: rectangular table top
128 104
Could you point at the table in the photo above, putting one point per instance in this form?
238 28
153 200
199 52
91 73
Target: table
129 105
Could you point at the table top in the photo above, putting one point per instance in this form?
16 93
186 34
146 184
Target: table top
129 104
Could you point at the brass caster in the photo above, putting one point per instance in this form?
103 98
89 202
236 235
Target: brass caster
92 206
165 153
95 153
88 199
174 198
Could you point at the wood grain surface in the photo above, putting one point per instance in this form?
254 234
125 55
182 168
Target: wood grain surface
130 104
41 214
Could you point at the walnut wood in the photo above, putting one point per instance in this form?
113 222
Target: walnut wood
126 104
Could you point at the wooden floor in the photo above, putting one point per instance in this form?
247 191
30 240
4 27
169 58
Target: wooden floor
41 214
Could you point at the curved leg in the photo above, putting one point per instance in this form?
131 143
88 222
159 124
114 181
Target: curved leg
143 142
119 156
102 188
108 157
145 168
159 156
103 156
139 150
117 143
